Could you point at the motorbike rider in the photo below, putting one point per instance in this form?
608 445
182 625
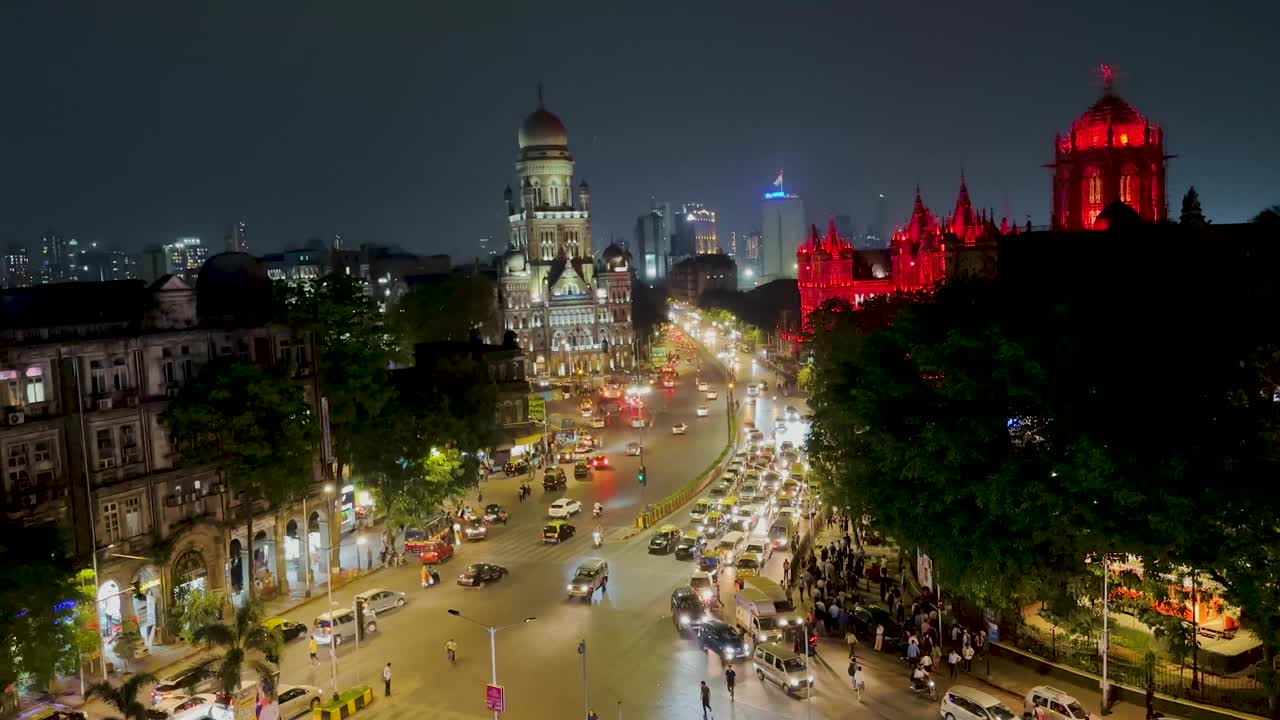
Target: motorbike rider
598 509
451 649
919 678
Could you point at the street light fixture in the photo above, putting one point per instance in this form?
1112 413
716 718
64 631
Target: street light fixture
493 654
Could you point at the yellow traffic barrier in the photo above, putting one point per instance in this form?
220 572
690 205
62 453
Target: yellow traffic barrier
349 703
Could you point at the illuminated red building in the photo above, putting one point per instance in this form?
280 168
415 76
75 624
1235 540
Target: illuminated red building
1112 153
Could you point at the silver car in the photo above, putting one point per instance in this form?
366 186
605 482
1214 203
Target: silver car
382 600
297 699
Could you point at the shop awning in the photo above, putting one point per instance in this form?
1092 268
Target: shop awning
529 439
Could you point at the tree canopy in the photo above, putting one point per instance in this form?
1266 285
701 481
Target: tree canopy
38 590
447 309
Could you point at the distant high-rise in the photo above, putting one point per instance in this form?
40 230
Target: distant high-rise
701 222
751 248
17 267
652 248
237 239
784 229
184 256
732 250
153 263
55 259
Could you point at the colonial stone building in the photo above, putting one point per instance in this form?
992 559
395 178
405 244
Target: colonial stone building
570 310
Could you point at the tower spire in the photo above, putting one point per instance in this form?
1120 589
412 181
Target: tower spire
540 104
1108 78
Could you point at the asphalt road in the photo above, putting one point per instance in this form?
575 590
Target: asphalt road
634 654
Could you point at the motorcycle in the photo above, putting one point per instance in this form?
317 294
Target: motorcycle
597 538
430 578
597 511
924 686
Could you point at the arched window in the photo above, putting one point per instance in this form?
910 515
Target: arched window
1129 186
555 195
1092 195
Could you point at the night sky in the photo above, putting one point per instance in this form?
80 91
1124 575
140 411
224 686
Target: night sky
138 122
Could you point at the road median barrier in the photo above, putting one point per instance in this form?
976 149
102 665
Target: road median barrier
349 703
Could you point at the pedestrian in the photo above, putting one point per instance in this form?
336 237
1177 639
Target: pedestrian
913 650
313 648
967 656
800 586
368 556
859 682
953 659
852 640
786 570
729 678
706 699
979 642
386 679
382 555
879 637
884 583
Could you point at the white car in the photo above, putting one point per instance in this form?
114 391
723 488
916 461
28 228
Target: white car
173 705
633 448
298 699
380 600
702 411
712 395
637 422
564 507
702 386
597 421
679 429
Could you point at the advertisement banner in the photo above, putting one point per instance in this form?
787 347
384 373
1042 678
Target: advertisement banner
537 409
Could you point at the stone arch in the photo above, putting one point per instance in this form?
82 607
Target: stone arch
190 572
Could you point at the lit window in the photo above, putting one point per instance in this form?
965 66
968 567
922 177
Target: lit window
1092 196
1129 186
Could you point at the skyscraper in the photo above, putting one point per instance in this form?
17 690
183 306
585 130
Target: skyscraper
702 224
17 267
184 256
55 259
652 242
237 239
784 229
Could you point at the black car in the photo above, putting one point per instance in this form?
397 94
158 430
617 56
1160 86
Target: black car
864 619
515 467
553 479
686 608
689 547
480 573
664 541
722 639
580 470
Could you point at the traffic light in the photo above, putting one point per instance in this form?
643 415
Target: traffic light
640 476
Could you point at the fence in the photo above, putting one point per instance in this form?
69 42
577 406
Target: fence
1238 692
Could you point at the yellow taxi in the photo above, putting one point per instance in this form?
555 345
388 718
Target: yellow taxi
714 523
748 565
557 531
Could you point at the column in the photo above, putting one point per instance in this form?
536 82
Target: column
282 567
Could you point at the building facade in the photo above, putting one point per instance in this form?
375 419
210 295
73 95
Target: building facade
185 256
1112 153
17 267
653 238
693 276
56 264
784 229
571 312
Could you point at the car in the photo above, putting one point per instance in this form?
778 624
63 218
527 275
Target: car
564 507
679 429
515 467
581 471
721 489
664 540
493 512
702 386
689 546
475 531
759 548
722 639
638 422
553 479
192 680
179 703
1055 704
479 574
704 584
864 619
792 413
295 700
382 600
597 421
786 445
587 440
747 565
966 703
702 411
557 531
713 524
600 462
436 551
587 410
713 395
288 629
592 574
686 608
633 448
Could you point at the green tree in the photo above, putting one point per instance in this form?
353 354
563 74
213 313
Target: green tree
254 426
37 580
128 644
194 610
354 349
82 632
124 697
447 309
240 643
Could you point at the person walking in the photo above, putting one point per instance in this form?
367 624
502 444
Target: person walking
852 640
313 649
879 637
386 680
729 678
859 682
706 699
913 650
967 656
953 660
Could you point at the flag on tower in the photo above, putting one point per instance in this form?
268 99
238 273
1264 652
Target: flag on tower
778 182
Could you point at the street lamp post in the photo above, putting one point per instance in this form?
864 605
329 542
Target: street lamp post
333 636
729 411
582 650
493 652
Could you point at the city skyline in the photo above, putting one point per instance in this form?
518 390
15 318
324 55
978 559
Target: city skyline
407 156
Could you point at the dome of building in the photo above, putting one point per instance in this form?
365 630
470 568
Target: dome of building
542 128
1110 109
514 261
234 290
614 257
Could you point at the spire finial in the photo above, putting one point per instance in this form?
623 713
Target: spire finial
540 105
1108 77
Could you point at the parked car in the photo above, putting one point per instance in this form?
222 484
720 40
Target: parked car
1055 704
966 703
183 684
170 705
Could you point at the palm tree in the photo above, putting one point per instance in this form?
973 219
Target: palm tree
239 640
124 697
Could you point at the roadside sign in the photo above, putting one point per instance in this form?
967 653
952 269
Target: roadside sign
537 408
495 698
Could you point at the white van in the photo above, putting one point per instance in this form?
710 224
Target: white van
777 664
966 703
1056 704
339 626
731 545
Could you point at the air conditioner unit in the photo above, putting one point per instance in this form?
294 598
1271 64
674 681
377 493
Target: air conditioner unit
104 403
17 418
106 463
